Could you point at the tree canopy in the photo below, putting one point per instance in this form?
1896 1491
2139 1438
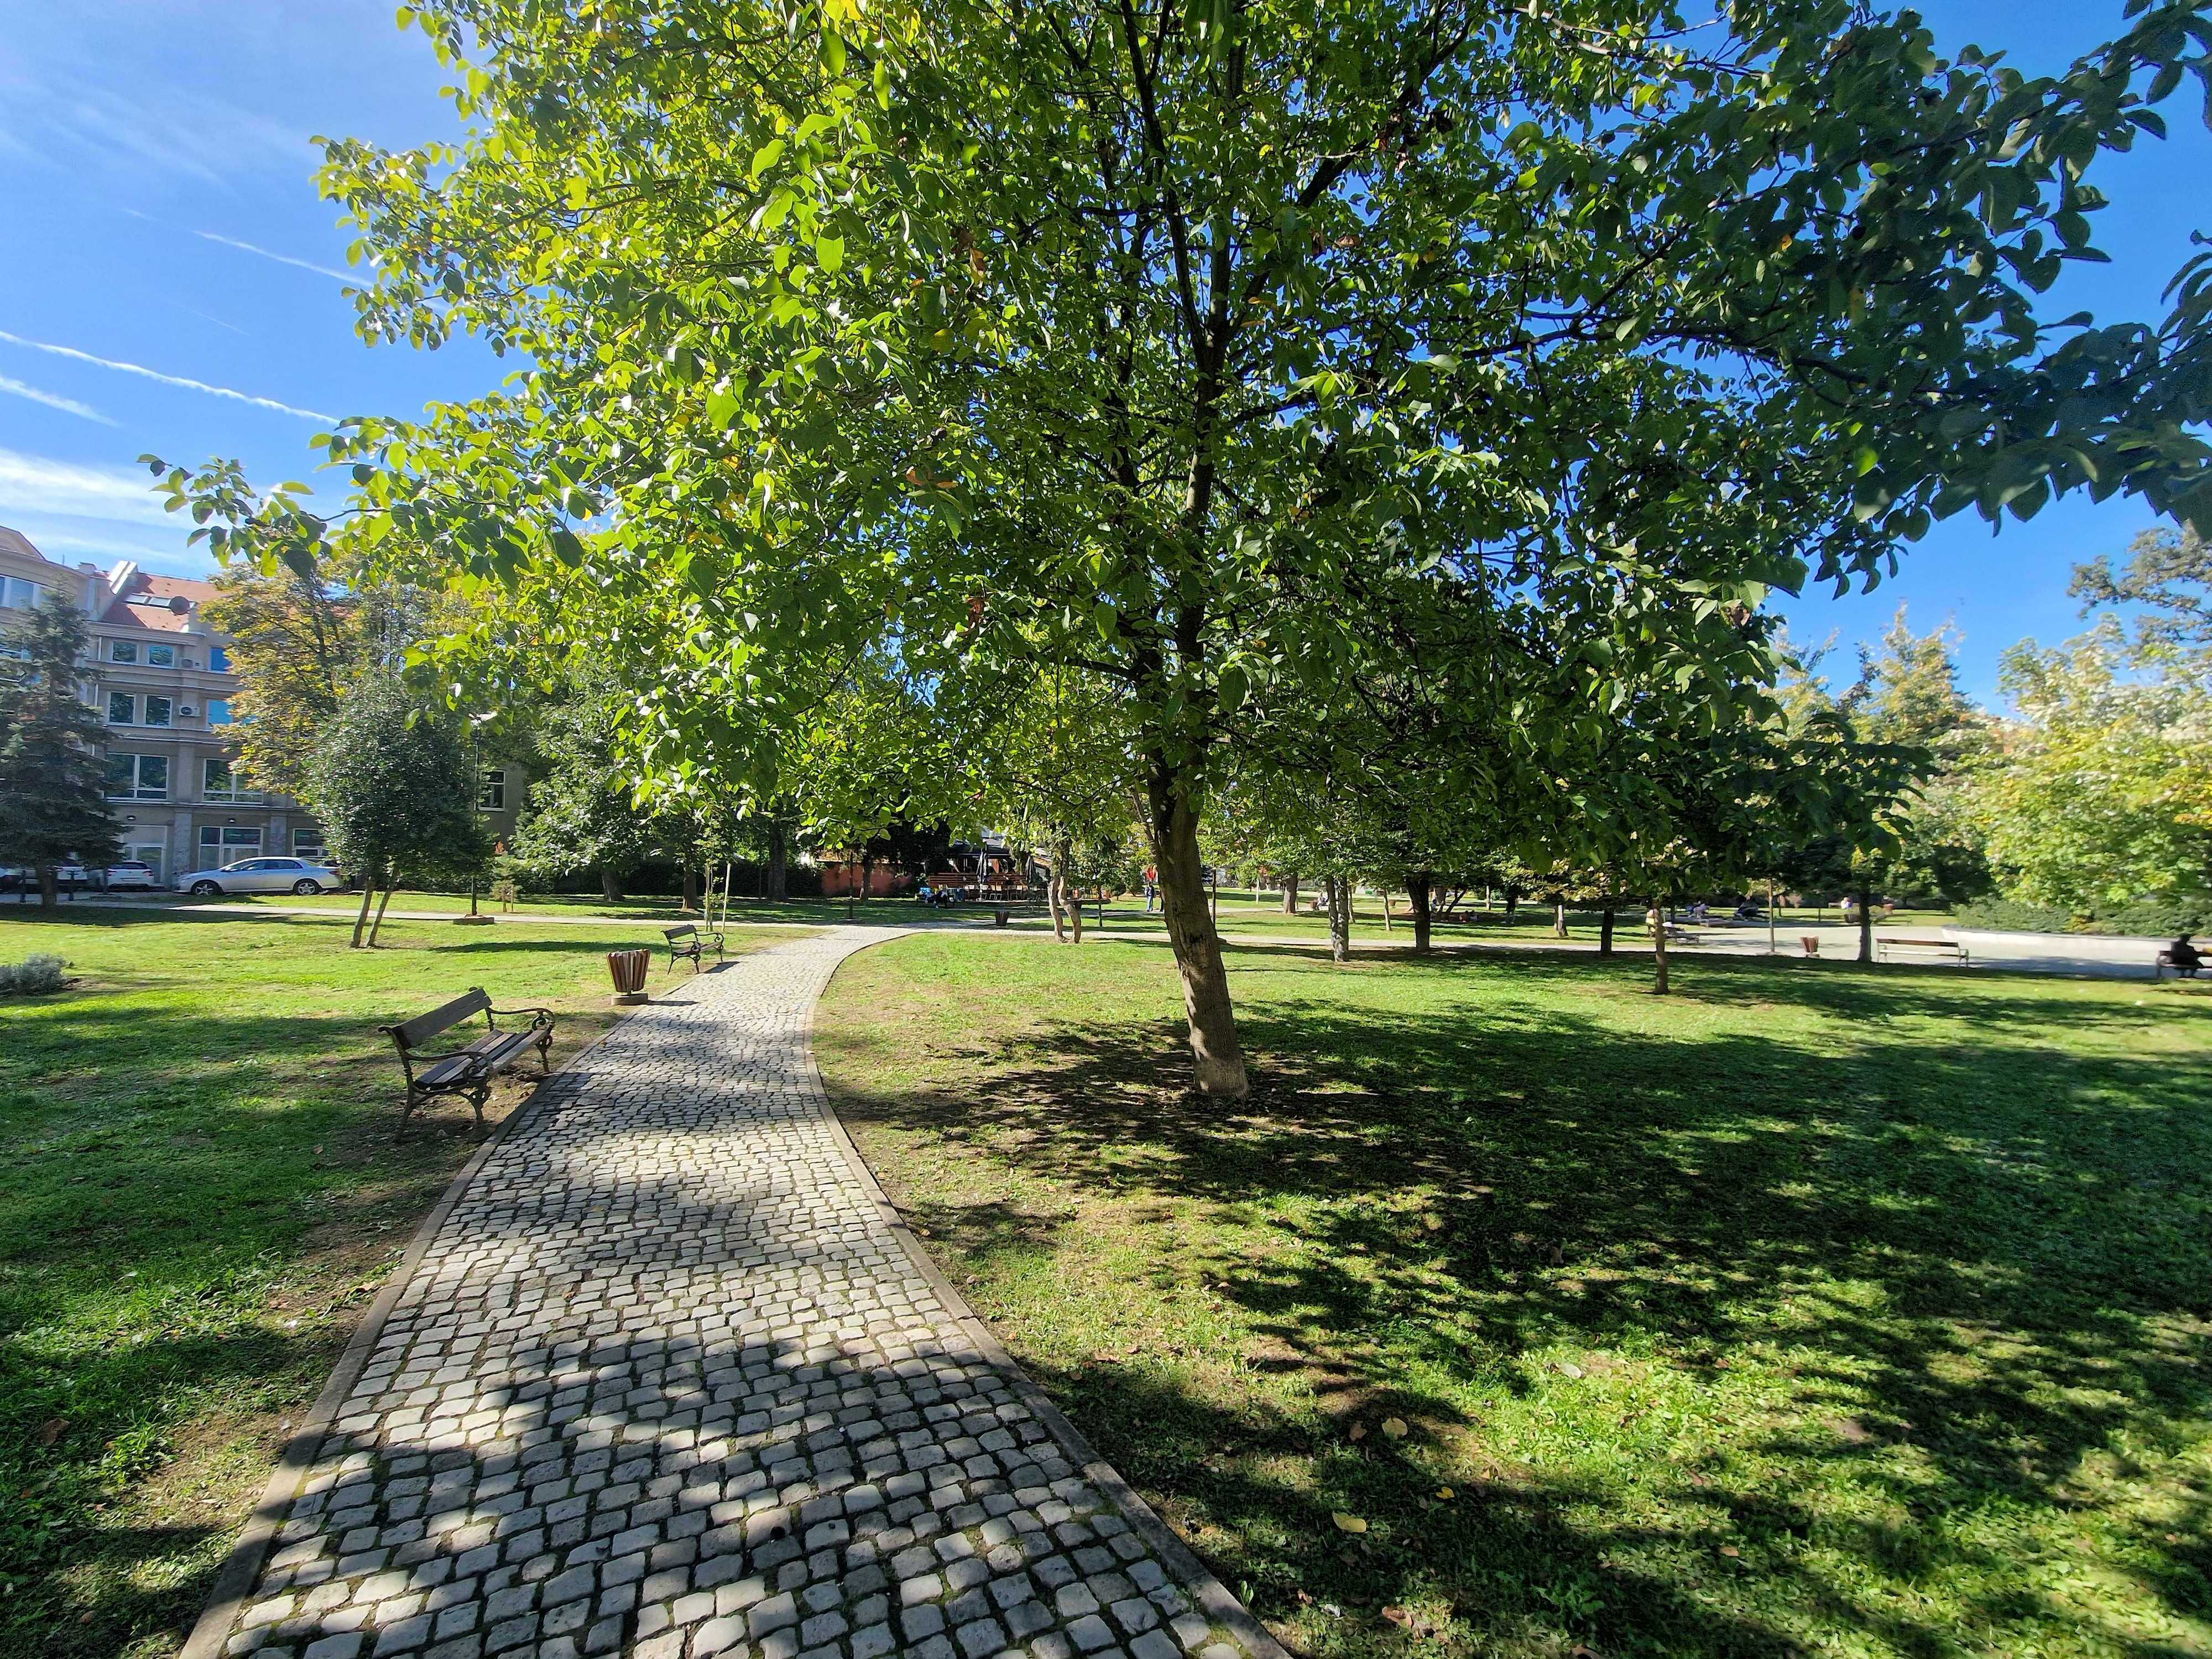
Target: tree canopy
1240 353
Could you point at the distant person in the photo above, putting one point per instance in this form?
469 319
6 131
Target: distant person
2184 957
923 893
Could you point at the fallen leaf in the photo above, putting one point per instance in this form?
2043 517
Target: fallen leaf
1567 1367
1348 1523
1731 1552
51 1430
1358 1432
1444 1492
1305 1599
1394 1427
1399 1617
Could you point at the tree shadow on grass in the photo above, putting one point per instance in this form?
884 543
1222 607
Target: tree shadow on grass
1985 1261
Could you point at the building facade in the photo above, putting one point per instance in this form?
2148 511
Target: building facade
160 677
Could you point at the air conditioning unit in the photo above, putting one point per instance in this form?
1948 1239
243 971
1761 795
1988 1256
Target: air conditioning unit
186 710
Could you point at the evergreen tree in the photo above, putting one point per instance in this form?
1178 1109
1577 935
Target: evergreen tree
1908 695
53 806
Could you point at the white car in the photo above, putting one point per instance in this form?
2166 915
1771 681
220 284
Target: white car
131 873
259 875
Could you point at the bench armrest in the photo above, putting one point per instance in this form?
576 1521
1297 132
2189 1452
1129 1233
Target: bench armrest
545 1014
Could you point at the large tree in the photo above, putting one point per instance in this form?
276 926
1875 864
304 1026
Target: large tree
1156 338
53 803
2101 794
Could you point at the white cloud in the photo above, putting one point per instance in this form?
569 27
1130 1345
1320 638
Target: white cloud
39 483
73 124
184 381
52 400
281 258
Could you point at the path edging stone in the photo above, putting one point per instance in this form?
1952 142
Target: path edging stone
1212 1595
235 1579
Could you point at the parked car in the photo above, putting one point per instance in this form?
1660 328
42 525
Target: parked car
259 875
131 873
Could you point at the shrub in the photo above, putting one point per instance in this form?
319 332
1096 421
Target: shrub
32 976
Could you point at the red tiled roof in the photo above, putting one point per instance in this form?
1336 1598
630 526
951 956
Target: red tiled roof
145 602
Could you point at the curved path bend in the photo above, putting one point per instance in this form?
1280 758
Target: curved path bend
665 1376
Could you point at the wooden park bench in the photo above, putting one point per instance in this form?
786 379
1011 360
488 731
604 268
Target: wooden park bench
1885 946
685 941
2165 965
466 1071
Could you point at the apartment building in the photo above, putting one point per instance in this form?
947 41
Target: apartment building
161 677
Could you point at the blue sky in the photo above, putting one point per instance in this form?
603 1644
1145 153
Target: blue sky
156 172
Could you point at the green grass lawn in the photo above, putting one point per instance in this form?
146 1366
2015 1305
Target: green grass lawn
663 911
1811 1310
201 1189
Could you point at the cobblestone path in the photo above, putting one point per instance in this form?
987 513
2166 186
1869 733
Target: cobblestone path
667 1383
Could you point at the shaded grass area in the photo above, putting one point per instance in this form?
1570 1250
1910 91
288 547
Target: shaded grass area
201 1189
1813 1310
1240 912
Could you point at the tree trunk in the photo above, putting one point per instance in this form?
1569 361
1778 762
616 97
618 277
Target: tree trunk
1075 911
1605 932
1512 901
1418 899
1291 893
1658 948
867 879
360 921
49 887
1056 893
610 885
375 926
1173 824
1866 923
773 879
1338 889
690 900
1558 919
1388 927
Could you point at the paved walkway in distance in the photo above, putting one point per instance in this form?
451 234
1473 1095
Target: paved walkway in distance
666 1382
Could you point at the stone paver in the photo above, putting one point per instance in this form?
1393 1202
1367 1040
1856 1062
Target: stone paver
665 1384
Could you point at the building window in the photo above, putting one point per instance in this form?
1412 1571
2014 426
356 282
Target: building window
157 711
123 651
161 656
218 660
138 777
218 782
308 845
218 711
222 844
122 709
491 790
22 595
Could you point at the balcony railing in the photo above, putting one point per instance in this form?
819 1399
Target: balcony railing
235 797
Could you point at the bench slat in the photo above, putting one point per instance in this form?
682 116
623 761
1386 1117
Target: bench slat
414 1032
